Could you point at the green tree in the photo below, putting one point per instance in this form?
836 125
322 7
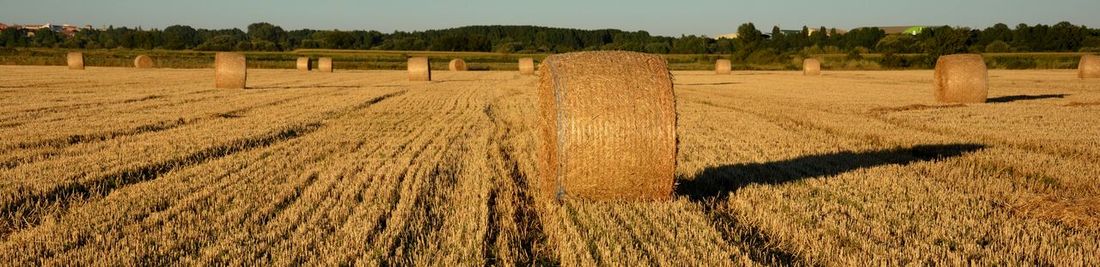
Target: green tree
748 34
180 37
998 46
862 37
778 41
12 37
46 38
219 43
999 32
820 37
267 32
944 40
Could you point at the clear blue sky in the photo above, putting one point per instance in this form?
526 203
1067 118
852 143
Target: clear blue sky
664 17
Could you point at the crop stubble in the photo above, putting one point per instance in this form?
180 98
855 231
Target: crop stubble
855 167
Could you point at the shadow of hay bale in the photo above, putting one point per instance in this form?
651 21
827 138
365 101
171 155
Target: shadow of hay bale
1014 98
719 182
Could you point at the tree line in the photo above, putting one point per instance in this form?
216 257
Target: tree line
752 44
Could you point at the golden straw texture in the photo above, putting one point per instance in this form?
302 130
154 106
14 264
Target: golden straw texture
324 64
607 125
457 65
723 66
230 70
304 64
811 67
961 78
420 69
76 60
527 66
143 62
1089 67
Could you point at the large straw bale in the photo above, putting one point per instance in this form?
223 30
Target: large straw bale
230 71
457 65
811 67
143 62
527 66
304 64
420 69
607 126
961 78
1089 67
75 60
723 66
324 64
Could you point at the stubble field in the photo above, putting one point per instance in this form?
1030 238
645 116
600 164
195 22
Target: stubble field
126 166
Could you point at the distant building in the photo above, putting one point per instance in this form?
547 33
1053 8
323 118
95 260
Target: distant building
902 30
3 26
768 35
69 30
828 32
790 32
728 36
35 27
66 29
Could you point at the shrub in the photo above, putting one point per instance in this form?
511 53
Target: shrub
998 46
763 56
854 55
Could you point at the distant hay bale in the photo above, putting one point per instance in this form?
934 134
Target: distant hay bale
527 66
457 65
607 126
723 66
961 78
324 64
1089 67
304 64
143 62
76 60
420 70
230 71
811 67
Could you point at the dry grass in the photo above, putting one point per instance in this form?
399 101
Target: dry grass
304 64
594 104
457 65
75 60
1088 67
723 67
852 168
143 62
420 70
527 66
324 64
811 67
230 70
961 78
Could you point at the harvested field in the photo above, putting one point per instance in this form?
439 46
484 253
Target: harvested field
365 167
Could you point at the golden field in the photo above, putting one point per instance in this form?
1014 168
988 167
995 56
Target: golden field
124 166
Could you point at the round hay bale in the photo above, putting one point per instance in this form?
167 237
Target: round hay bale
961 78
304 64
1089 67
76 60
143 62
723 66
324 64
811 67
457 65
527 66
230 71
420 69
607 126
